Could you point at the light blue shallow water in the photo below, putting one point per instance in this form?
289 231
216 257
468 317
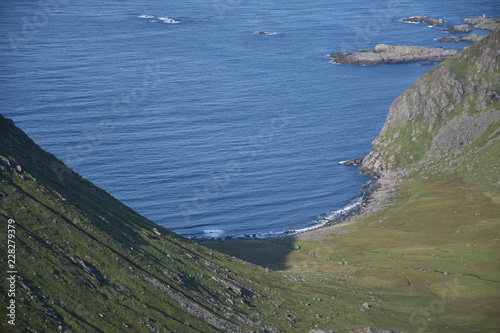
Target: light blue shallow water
203 126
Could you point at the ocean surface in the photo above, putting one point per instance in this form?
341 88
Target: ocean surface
183 112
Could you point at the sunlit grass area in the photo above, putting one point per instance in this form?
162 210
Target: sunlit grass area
429 263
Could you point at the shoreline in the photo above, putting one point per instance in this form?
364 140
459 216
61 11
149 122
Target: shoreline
376 197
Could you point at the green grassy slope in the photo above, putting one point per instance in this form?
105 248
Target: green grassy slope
430 262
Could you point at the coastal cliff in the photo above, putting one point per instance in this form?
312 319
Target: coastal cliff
451 112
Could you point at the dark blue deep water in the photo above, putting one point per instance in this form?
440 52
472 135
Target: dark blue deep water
204 126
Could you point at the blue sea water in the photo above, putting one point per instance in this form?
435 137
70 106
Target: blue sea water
202 125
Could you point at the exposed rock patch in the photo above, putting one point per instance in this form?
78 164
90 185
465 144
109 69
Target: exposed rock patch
462 131
370 330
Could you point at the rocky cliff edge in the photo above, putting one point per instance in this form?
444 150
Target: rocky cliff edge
449 113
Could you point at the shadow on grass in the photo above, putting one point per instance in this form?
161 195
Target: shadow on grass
264 253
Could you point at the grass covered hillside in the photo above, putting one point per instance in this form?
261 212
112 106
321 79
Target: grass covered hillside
430 261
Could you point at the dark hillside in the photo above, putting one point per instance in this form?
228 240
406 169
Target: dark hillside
85 262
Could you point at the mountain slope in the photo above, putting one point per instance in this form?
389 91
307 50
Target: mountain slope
87 263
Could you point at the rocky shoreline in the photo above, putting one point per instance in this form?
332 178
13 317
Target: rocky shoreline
484 23
376 197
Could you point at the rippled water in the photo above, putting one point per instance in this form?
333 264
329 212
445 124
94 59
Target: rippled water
186 114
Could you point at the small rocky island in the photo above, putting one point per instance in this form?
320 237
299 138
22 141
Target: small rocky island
458 29
387 54
424 19
472 38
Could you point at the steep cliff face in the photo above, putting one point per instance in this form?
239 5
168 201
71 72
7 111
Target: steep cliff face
448 114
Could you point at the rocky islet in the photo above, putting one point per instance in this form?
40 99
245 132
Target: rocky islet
388 54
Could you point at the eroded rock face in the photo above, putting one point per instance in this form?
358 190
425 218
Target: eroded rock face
443 112
387 54
461 131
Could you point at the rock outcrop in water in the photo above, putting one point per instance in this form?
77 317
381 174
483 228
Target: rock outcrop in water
446 114
484 23
387 54
424 19
473 38
458 29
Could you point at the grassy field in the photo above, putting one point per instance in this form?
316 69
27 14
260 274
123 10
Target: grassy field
430 263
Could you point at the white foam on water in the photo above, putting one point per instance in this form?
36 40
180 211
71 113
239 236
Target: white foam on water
213 233
169 20
146 16
403 20
266 33
321 221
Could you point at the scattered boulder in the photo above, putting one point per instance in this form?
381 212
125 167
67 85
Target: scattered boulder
424 19
321 330
387 54
370 330
459 29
